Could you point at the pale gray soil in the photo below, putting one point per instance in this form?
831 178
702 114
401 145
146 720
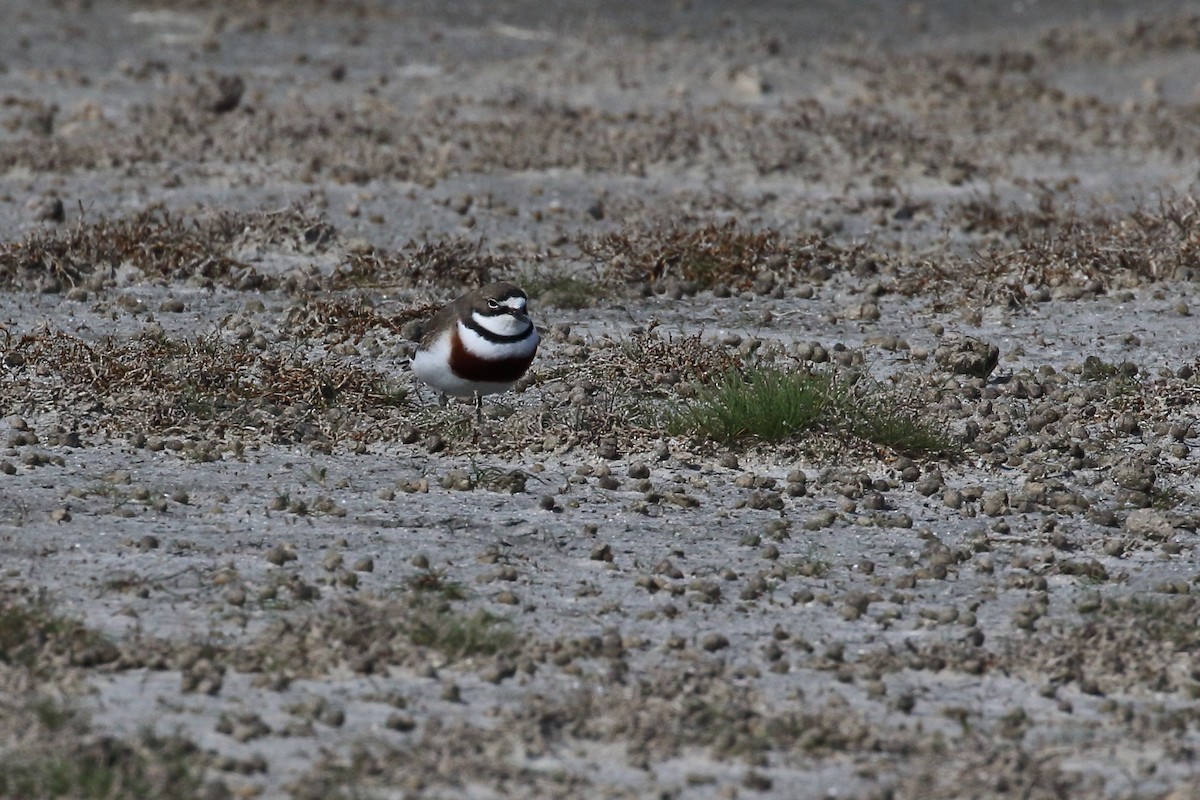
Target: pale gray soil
1013 620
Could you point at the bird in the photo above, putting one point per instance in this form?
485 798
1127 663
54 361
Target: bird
482 343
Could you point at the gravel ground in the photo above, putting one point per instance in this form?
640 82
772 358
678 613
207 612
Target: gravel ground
246 557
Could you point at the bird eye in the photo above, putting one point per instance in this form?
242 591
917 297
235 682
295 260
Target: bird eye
492 304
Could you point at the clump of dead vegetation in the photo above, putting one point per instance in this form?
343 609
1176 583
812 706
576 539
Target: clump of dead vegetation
449 263
35 637
154 382
1055 243
46 746
1055 252
160 245
366 633
716 254
350 317
1124 644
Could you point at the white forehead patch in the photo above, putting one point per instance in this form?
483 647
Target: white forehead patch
515 303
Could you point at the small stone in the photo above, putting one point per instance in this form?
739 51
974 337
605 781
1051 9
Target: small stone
1134 475
219 94
1150 524
995 504
46 209
601 552
757 782
280 555
364 564
401 722
713 642
639 470
965 355
497 672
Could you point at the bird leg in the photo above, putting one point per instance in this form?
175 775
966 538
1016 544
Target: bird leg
478 408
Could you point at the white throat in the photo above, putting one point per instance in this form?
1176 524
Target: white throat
501 325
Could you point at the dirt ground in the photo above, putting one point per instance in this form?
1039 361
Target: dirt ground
245 556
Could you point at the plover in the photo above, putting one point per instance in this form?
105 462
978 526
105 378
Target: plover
482 343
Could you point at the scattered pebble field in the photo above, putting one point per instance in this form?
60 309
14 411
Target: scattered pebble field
859 458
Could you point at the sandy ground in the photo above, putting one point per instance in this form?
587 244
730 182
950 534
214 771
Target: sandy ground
244 526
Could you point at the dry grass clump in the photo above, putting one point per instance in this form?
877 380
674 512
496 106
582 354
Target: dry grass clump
35 637
561 290
451 263
158 244
670 713
348 316
1144 245
1128 644
46 747
1051 251
714 254
369 633
155 382
365 633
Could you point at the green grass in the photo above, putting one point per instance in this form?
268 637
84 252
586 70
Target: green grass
52 752
768 404
886 422
436 583
103 769
460 635
30 630
763 404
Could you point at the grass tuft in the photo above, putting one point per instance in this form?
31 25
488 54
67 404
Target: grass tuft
457 635
883 421
763 404
771 404
75 765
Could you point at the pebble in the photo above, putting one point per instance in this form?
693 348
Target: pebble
995 503
400 722
1149 524
601 552
639 470
964 355
46 209
280 555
